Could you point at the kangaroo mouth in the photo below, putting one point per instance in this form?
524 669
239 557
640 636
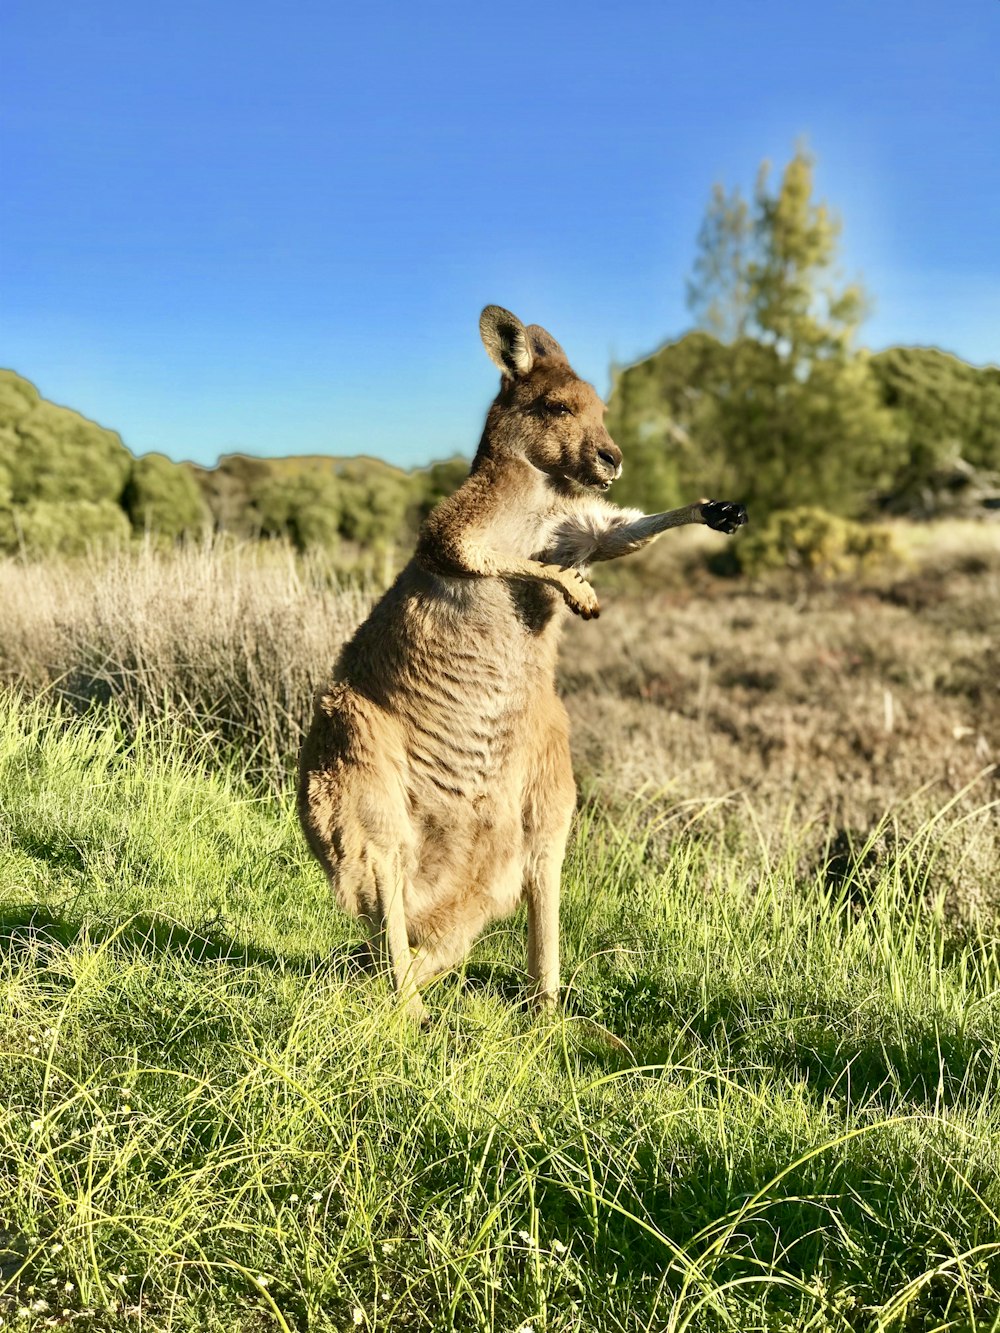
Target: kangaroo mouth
605 468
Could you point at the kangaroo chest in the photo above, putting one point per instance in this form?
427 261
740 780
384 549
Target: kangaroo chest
466 668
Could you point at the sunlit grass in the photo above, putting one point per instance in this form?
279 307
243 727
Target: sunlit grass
769 1103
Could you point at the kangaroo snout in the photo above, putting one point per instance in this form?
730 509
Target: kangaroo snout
608 462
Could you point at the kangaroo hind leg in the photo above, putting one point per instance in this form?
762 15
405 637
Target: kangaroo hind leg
551 797
389 937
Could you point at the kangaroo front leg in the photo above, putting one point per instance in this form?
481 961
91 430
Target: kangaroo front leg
624 538
463 558
577 593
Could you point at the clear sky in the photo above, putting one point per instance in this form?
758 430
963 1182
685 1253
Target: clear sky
271 227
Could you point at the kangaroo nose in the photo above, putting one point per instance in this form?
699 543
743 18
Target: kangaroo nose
608 458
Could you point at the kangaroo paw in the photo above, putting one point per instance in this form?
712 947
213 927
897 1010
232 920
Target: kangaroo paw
578 595
723 515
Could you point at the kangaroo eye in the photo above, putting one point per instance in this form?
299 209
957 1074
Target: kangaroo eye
555 409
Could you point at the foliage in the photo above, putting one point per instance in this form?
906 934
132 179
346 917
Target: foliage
786 412
52 459
229 488
810 541
949 413
163 497
52 454
374 508
314 502
304 509
660 413
435 483
718 291
63 527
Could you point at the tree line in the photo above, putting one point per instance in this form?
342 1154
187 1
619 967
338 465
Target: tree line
68 484
768 399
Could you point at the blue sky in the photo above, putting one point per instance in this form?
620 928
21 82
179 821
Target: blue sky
271 228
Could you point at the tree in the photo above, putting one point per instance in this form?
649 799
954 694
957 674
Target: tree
434 483
162 496
305 509
53 454
718 291
797 412
661 414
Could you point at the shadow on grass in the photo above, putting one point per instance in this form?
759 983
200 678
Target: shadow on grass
646 1199
25 926
932 1063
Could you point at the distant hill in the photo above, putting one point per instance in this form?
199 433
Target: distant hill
67 483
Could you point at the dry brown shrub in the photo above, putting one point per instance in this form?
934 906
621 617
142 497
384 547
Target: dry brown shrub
817 708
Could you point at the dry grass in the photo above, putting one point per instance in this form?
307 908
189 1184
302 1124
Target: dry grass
229 641
835 705
829 705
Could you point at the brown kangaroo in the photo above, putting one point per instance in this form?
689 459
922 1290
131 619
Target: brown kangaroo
435 783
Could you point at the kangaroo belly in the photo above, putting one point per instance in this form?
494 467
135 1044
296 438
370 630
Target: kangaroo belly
463 677
464 716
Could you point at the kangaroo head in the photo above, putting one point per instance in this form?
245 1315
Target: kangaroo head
544 411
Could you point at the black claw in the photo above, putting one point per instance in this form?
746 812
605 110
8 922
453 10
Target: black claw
723 515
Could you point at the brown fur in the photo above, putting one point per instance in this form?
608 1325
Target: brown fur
435 782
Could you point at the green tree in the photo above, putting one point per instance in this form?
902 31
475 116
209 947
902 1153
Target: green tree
798 412
718 291
949 413
53 454
374 506
434 483
304 508
661 414
163 497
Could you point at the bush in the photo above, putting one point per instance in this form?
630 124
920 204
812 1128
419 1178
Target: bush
373 508
163 497
435 483
52 454
63 527
304 510
811 541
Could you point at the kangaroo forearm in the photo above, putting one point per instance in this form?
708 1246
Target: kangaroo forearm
462 558
628 537
468 559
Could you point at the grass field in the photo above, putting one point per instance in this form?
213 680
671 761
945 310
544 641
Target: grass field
772 1099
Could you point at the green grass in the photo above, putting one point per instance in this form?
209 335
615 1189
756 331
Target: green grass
767 1105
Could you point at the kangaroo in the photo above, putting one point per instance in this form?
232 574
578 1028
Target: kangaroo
435 783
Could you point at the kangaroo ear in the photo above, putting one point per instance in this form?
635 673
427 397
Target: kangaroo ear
506 341
542 343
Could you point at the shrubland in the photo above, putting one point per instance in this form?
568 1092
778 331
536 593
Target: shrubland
68 485
770 400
